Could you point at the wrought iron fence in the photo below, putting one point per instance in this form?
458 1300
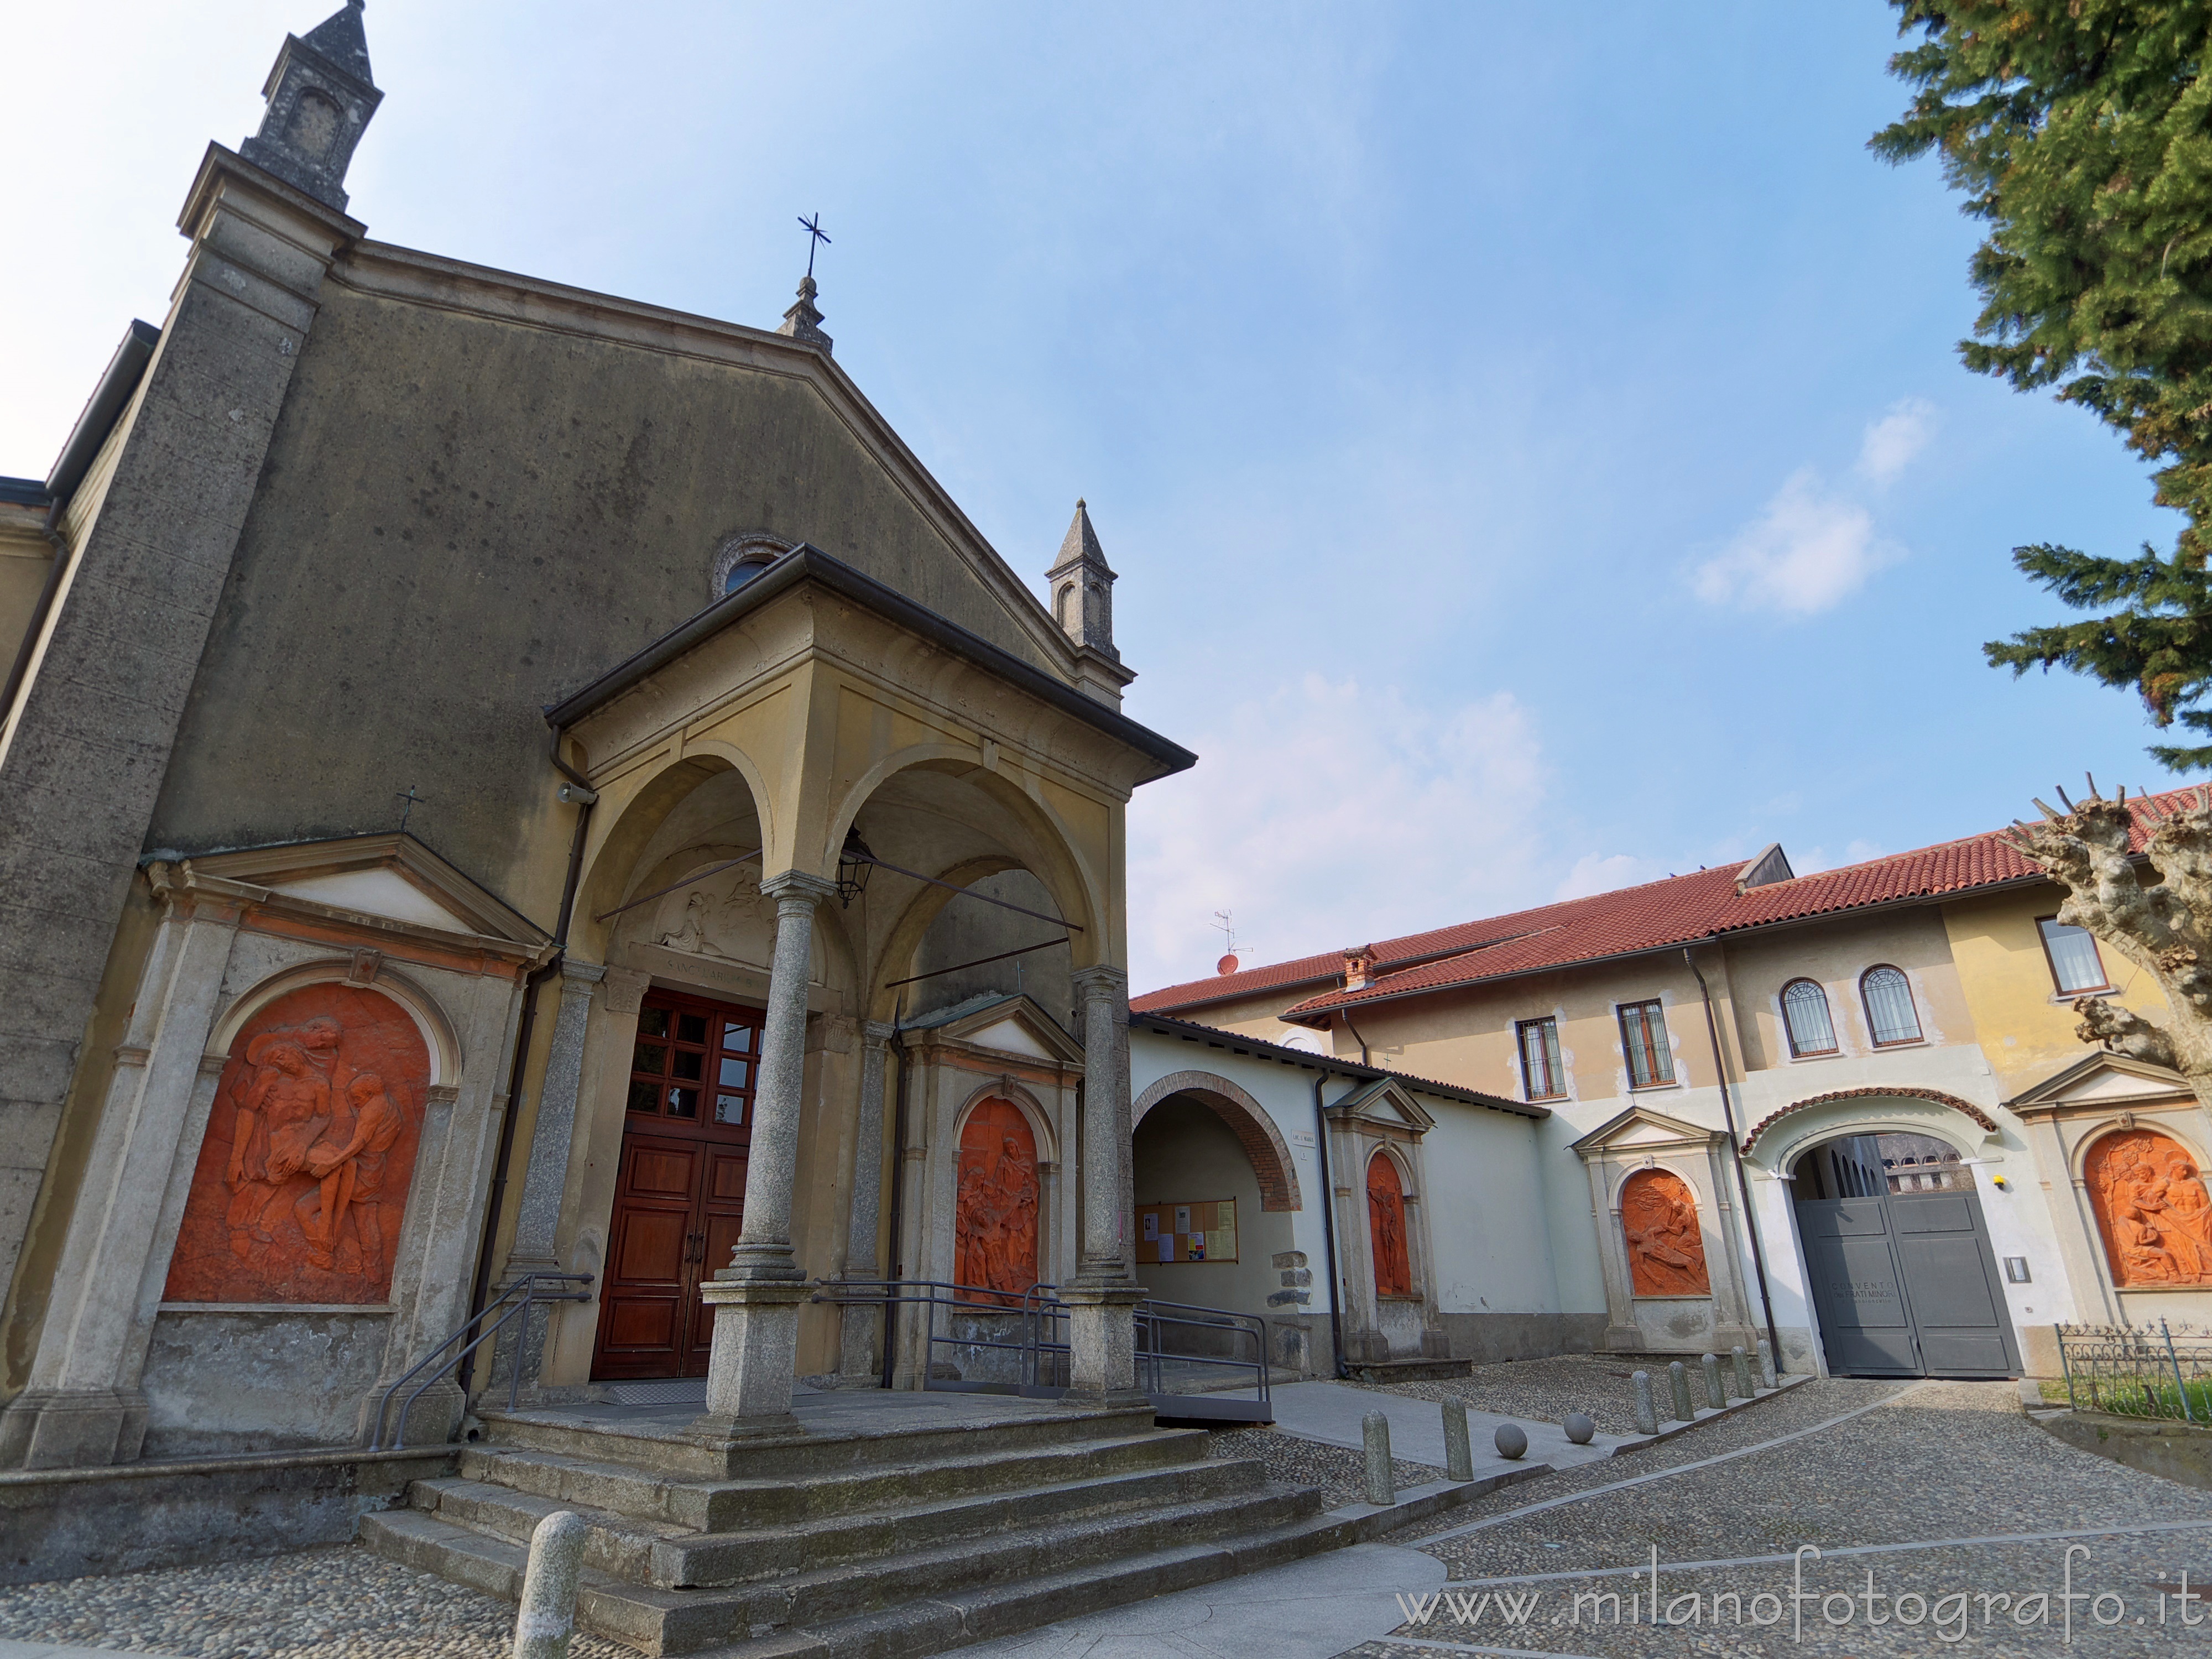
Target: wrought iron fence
2139 1371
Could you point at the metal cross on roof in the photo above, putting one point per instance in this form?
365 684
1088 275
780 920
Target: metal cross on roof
817 236
413 801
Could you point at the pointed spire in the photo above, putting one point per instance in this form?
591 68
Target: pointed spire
1082 585
804 321
320 99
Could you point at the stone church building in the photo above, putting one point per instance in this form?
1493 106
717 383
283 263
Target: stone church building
492 776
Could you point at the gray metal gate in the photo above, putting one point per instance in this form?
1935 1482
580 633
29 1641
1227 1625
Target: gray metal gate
1903 1278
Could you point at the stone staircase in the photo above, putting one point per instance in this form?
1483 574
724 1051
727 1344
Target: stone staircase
909 1534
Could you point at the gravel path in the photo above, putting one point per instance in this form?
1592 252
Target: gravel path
329 1603
1930 1464
1545 1390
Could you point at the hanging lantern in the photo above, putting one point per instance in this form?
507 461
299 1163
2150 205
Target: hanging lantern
854 866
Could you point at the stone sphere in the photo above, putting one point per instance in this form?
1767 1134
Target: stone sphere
1579 1427
1511 1441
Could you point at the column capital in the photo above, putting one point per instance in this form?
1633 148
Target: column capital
623 990
583 973
1101 979
798 884
878 1033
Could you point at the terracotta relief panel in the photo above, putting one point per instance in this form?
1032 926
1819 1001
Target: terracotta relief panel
1386 1227
1666 1247
995 1224
310 1146
2151 1209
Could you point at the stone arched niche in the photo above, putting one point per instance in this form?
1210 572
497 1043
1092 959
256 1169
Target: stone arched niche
2151 1207
1666 1245
995 1217
303 1173
1386 1227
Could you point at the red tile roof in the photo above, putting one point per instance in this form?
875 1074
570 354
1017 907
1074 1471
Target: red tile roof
1657 915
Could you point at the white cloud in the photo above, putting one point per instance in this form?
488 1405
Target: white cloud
1332 813
1892 443
1814 859
1808 550
1596 872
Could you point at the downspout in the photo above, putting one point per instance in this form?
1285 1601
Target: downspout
898 1189
495 1195
1736 1157
1356 1038
1328 1228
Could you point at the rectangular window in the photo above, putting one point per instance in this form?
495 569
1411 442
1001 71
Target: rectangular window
1643 1039
1541 1071
2076 966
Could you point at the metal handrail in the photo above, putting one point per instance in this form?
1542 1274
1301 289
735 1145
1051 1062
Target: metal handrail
1150 1318
437 1357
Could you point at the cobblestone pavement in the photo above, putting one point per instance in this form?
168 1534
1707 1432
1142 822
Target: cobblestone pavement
1953 1471
341 1603
1340 1472
1545 1390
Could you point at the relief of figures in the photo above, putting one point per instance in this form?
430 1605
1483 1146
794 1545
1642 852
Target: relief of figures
996 1221
728 918
1666 1247
2150 1203
1386 1228
310 1145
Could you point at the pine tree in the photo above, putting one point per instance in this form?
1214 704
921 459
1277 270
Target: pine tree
2081 132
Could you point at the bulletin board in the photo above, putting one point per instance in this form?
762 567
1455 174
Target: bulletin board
1203 1231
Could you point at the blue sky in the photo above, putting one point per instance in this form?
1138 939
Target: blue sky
1530 439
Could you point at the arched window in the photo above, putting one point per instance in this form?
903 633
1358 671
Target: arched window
1805 1016
1386 1227
742 573
1889 1009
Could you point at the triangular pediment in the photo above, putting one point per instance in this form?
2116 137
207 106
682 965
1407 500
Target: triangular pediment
2103 1079
1387 1102
1638 1127
1014 1025
387 879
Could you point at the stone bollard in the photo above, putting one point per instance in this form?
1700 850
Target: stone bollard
1716 1395
1647 1413
1766 1363
1375 1430
1459 1456
1677 1384
547 1616
1740 1363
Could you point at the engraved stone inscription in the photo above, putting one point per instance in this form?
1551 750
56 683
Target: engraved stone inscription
310 1146
1666 1249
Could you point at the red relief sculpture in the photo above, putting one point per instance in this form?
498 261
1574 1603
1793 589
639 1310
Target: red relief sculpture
309 1149
1386 1227
1666 1247
995 1224
2151 1207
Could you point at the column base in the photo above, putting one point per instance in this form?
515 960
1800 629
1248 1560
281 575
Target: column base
1102 1340
751 1372
860 1332
72 1428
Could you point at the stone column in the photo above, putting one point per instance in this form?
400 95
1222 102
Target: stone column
756 1298
859 1355
1101 1335
537 1221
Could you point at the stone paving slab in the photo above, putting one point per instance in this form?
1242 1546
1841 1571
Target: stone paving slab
1308 1609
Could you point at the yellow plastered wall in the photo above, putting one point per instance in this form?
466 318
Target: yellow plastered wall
2025 1027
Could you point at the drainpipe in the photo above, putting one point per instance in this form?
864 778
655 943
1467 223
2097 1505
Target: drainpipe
1328 1228
1356 1038
898 1190
1736 1157
495 1195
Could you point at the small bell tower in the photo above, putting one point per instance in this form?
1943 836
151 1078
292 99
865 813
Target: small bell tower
320 99
1081 585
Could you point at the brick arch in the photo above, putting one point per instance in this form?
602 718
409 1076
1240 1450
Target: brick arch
1246 1118
1988 1123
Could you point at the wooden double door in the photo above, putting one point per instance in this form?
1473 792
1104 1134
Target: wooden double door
679 1194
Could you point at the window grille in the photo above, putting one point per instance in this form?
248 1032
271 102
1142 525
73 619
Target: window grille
2076 967
1541 1071
1643 1039
1889 1008
1805 1016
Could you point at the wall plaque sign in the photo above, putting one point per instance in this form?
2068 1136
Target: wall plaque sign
1187 1230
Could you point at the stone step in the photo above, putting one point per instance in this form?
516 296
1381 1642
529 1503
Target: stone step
669 1621
1410 1370
727 1505
657 1552
800 1456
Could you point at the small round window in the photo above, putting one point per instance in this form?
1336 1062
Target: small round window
739 561
741 573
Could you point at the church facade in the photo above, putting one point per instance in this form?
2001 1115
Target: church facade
496 781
